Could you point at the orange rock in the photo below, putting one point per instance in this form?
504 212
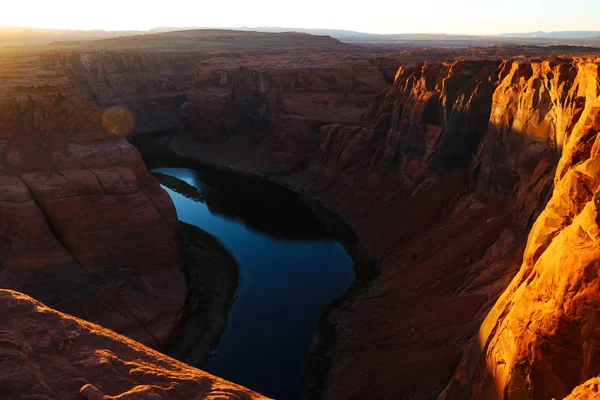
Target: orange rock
589 390
449 245
48 355
539 339
440 166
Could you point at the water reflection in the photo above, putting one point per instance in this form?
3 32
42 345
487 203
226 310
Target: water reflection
261 205
289 267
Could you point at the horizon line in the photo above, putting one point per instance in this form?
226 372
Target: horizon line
291 29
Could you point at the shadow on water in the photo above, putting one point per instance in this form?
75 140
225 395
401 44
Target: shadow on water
211 274
262 206
289 269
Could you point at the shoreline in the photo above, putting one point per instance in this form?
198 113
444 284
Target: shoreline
156 150
212 274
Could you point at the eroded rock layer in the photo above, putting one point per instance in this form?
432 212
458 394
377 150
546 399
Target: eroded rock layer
48 355
442 166
83 226
442 176
539 340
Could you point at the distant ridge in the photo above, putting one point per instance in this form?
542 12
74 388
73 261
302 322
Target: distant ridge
20 36
555 35
532 38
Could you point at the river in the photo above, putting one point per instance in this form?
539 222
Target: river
289 269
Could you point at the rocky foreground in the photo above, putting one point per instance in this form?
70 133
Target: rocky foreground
48 355
469 174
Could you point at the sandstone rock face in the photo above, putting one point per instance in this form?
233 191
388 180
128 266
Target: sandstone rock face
433 118
442 177
441 166
49 355
447 251
83 226
151 85
150 75
277 106
539 339
535 108
588 390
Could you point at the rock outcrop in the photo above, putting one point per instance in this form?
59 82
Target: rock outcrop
150 75
539 340
273 109
83 226
442 167
442 177
49 355
588 391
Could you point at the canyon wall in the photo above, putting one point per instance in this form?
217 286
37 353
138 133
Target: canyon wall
539 339
83 226
150 76
442 166
276 111
151 86
442 175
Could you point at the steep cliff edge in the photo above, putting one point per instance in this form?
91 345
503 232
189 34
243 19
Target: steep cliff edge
539 340
441 168
447 250
271 109
442 176
83 226
150 85
150 75
49 355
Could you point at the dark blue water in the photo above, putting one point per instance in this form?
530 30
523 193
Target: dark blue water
289 269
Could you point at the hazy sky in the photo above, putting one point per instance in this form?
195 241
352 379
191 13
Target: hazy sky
377 16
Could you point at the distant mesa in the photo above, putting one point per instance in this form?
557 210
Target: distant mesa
20 36
555 35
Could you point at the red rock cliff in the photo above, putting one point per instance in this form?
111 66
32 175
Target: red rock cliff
49 355
539 339
441 169
276 106
442 176
151 85
83 227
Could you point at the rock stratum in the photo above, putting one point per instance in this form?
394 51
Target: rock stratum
539 339
460 175
83 226
469 174
48 355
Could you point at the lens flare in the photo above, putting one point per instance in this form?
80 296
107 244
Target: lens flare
118 121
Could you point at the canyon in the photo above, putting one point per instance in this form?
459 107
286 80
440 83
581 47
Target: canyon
468 175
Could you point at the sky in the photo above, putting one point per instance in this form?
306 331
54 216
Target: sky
374 16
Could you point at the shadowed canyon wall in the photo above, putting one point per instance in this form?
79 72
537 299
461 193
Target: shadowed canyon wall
539 340
444 167
152 86
442 177
83 226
